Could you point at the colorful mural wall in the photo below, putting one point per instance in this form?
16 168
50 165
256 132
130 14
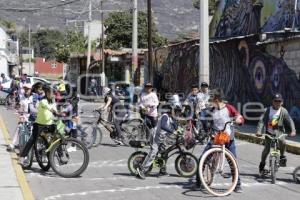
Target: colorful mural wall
245 71
245 17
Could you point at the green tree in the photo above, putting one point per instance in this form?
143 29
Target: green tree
213 5
47 42
119 31
9 26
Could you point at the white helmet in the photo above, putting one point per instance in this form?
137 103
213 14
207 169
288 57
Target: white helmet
106 90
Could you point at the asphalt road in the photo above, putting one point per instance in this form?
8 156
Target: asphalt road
107 176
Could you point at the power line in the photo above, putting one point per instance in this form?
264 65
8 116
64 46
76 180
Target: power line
37 9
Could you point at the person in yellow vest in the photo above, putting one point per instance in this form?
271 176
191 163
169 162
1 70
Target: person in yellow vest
62 87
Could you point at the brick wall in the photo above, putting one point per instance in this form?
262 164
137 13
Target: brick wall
51 68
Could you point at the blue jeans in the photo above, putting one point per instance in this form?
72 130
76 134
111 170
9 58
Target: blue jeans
230 146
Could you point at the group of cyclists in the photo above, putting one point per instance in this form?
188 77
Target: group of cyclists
39 104
207 105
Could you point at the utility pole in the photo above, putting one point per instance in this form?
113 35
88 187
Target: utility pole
150 68
103 45
204 43
29 46
134 44
295 16
89 44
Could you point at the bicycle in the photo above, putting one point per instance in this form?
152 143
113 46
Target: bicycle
185 163
212 165
24 133
52 150
274 157
296 174
133 129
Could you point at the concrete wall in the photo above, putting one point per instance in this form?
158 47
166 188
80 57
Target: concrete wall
291 50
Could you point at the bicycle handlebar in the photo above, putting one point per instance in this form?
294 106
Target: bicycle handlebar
272 137
229 122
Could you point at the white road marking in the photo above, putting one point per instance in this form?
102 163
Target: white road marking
60 196
87 179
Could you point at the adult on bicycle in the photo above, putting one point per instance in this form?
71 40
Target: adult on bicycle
45 120
148 104
117 110
166 126
221 113
275 121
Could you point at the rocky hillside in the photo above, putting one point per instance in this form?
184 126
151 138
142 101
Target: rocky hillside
173 17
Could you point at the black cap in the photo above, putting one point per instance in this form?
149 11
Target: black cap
148 85
277 97
204 84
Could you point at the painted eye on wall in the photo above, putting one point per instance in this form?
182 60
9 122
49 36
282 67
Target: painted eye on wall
259 75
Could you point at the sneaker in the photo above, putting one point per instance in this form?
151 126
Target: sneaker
197 186
71 149
23 161
282 161
238 189
263 172
118 142
141 173
10 148
163 173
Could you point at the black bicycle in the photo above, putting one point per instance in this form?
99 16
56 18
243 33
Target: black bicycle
185 164
132 130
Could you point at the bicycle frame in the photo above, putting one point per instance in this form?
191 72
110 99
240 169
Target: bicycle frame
168 151
109 126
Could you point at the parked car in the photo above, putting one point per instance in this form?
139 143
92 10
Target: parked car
30 80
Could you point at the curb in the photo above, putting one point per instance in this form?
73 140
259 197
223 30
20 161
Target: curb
26 191
291 147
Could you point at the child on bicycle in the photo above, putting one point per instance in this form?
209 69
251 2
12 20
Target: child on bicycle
166 126
275 121
221 113
45 120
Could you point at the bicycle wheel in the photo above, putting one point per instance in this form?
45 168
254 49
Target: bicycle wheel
133 131
186 165
95 131
296 175
218 172
86 135
42 157
69 158
29 159
273 169
135 160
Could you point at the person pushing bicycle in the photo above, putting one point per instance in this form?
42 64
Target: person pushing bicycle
221 113
275 121
166 126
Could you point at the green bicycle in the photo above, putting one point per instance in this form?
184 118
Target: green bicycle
67 156
274 158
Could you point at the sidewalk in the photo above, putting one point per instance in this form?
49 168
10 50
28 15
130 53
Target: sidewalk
247 133
13 184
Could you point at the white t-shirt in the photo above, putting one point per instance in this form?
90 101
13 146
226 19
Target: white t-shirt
273 119
202 101
24 104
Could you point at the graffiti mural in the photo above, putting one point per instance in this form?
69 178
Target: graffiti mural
245 17
244 71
